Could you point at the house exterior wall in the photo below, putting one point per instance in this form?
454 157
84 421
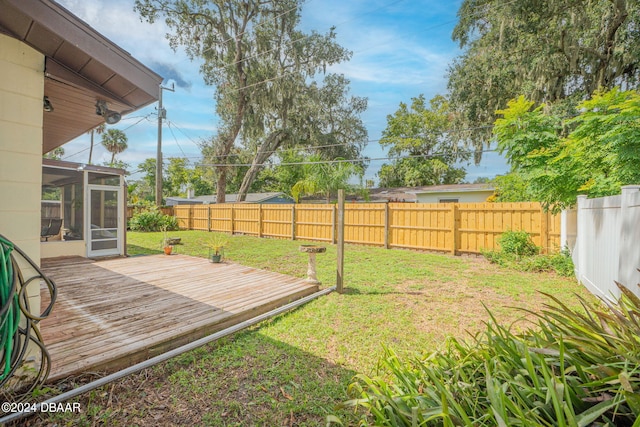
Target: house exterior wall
57 248
21 110
21 93
462 196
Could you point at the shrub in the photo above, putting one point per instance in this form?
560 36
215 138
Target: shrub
518 251
572 369
517 243
152 220
560 263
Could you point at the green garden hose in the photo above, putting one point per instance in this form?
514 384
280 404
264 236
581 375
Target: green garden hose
9 309
16 337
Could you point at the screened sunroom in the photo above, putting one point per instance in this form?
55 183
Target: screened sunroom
83 210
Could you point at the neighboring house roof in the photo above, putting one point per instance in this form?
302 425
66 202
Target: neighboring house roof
81 67
409 194
251 197
453 188
173 201
395 194
231 198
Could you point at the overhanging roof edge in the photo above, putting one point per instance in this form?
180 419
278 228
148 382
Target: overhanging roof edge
73 30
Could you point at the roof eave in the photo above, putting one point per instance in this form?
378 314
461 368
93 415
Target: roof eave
79 34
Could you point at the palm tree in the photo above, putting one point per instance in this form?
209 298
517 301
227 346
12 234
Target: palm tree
99 130
115 141
55 154
324 177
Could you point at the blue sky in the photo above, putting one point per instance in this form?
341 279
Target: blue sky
401 48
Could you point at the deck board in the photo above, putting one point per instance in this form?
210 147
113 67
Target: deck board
113 313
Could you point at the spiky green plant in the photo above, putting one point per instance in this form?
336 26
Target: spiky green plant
572 369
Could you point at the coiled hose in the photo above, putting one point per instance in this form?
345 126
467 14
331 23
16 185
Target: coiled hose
14 305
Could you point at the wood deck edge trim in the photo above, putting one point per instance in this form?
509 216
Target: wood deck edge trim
130 359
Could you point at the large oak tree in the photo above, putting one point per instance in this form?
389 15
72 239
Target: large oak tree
550 51
262 66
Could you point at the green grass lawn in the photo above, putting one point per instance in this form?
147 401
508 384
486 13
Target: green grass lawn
295 369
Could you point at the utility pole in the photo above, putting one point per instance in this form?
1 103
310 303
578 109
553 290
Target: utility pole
162 114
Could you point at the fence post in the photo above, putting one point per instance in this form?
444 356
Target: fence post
232 219
564 231
386 225
293 222
340 250
628 233
333 224
544 230
580 261
259 220
209 218
454 228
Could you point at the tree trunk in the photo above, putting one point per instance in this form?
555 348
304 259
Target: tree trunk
605 75
248 179
221 185
270 144
227 145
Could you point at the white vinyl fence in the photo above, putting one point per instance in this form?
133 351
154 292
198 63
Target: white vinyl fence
604 235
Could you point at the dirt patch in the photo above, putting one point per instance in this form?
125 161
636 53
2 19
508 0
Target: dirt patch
458 309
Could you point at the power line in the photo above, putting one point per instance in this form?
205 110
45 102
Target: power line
123 130
311 148
143 118
172 123
75 154
362 160
176 139
314 147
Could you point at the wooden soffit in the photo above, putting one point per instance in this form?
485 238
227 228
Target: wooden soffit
81 67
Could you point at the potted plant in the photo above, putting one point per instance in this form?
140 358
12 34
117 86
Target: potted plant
166 242
216 245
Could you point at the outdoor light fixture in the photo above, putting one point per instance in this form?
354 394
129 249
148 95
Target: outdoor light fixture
110 116
48 107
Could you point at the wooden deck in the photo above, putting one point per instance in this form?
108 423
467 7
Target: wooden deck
115 313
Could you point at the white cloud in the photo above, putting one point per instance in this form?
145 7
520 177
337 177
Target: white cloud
117 21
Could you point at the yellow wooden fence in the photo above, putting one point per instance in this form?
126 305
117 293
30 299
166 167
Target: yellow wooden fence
457 228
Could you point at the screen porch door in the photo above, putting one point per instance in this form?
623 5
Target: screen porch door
105 229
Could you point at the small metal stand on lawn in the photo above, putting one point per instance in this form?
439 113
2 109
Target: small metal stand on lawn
312 250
